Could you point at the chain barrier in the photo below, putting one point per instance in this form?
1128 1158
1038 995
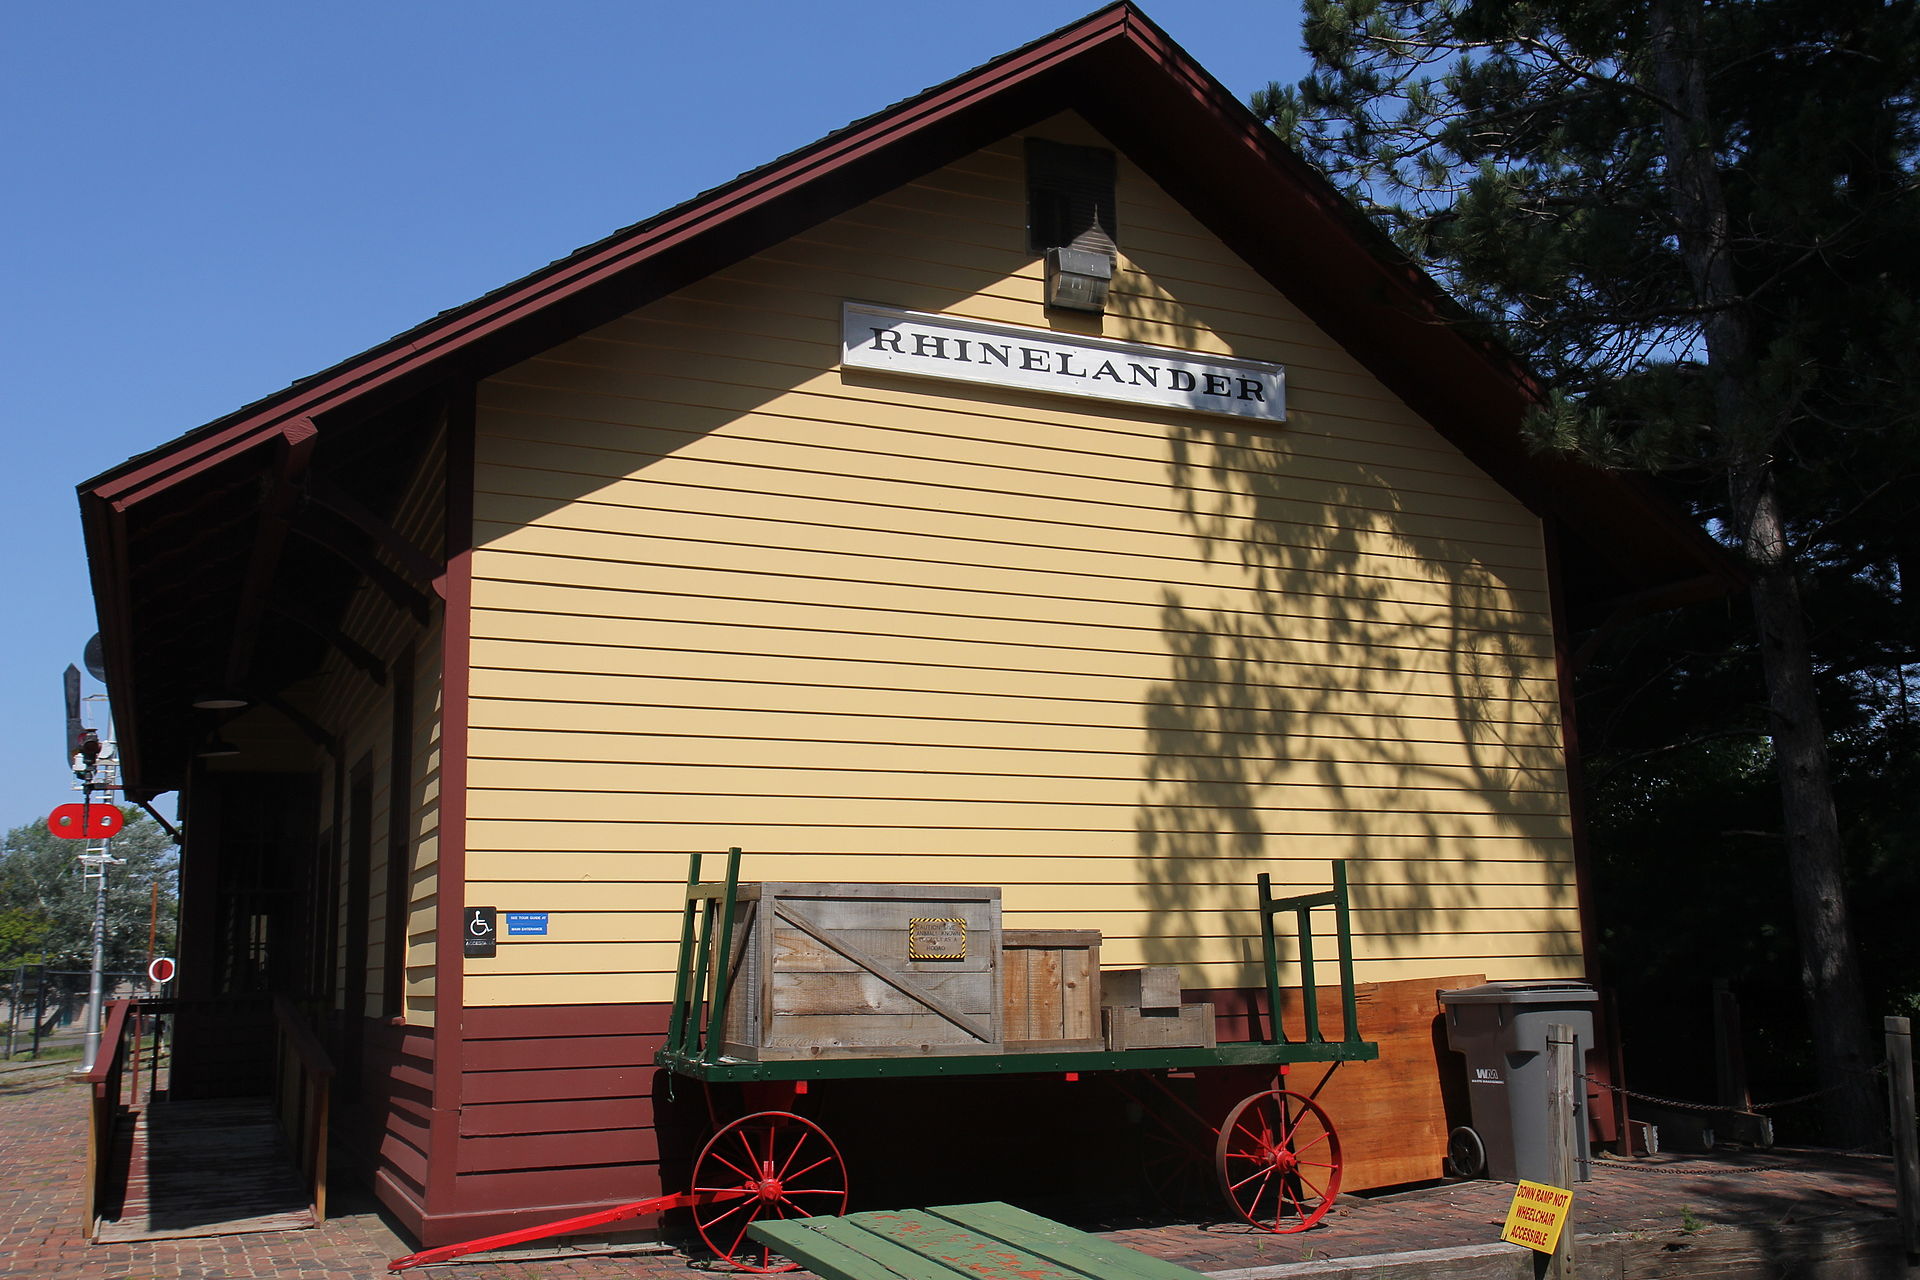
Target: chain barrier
1874 1072
1695 1168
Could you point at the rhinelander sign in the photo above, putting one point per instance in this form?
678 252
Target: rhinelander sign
929 346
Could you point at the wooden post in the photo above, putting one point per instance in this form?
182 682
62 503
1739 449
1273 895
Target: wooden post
1729 1057
1562 1069
1906 1143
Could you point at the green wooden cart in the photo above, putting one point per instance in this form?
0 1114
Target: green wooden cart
1276 1155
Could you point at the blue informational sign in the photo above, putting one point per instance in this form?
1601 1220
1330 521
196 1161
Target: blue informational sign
526 923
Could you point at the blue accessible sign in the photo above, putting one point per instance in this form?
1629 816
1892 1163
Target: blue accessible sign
521 924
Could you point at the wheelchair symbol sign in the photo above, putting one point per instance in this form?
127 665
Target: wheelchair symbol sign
480 936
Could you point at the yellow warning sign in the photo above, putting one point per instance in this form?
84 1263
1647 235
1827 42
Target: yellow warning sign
1537 1214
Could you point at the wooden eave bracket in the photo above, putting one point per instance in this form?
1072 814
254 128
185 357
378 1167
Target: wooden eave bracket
349 648
303 722
424 572
298 438
396 588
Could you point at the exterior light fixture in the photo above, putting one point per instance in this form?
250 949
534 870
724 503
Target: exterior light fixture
1078 279
217 701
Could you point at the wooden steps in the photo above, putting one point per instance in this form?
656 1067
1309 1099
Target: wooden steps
205 1168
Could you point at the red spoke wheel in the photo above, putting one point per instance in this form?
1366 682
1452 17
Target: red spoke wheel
1278 1159
787 1167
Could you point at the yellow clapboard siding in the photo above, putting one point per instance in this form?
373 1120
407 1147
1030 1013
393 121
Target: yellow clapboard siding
528 519
812 550
1454 534
848 427
1477 631
976 637
577 818
613 893
1362 786
1455 871
1194 639
612 906
551 730
600 530
1127 755
684 647
533 956
807 720
1199 629
1176 724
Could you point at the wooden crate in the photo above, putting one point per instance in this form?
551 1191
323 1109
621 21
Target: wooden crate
1157 986
1050 984
1188 1027
863 970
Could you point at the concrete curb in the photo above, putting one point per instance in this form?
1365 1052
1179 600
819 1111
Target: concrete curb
1480 1261
1840 1247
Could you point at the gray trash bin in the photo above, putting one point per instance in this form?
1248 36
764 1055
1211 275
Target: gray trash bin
1501 1027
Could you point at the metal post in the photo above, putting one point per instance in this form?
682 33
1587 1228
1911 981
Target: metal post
13 1007
1561 1137
39 1009
97 862
96 984
1906 1142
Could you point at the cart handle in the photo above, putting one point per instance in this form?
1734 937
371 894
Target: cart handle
1302 906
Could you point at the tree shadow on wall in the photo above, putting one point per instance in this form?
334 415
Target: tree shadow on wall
1372 679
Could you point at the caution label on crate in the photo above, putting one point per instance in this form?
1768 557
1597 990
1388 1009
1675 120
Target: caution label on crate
1536 1216
936 938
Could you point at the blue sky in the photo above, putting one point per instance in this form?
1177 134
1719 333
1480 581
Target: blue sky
206 201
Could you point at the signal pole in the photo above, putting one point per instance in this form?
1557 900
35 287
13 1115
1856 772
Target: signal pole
97 769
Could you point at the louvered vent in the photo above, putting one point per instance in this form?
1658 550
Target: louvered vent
1070 201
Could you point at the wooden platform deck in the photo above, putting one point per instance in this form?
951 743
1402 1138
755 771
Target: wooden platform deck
212 1168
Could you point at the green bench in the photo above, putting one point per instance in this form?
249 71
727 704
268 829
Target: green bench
990 1241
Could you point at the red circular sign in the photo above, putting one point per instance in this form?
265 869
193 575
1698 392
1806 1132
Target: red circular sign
86 821
160 969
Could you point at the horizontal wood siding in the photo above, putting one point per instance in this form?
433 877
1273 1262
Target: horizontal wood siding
558 1111
1115 660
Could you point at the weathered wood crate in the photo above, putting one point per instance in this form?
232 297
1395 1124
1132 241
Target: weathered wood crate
1050 980
1190 1026
863 970
1157 986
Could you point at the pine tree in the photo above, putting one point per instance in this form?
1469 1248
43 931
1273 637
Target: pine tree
1698 222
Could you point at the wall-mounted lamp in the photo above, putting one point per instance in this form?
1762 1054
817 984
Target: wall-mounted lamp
217 701
1078 279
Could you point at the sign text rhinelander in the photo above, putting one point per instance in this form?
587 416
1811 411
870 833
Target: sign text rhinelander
1012 356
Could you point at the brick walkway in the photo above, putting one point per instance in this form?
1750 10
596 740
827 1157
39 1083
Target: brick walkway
43 1165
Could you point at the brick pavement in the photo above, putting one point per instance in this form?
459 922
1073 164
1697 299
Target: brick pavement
43 1164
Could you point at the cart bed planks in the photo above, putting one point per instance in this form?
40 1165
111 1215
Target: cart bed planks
988 1241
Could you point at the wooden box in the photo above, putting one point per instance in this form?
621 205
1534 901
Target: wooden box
1050 984
863 970
1157 986
1188 1027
